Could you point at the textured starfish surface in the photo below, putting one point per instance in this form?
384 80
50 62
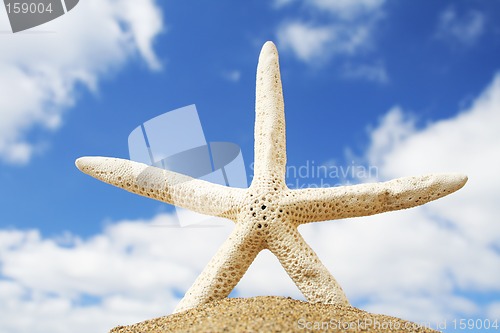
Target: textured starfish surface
267 214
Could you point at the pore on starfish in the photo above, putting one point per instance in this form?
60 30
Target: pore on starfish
267 214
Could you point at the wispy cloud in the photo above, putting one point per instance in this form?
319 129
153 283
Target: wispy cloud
232 76
345 30
40 71
348 9
374 72
465 29
307 42
395 127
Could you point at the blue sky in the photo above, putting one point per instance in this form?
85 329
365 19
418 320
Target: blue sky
408 87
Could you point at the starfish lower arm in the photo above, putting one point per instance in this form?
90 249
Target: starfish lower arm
305 269
225 269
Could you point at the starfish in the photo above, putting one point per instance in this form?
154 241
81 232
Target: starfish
267 214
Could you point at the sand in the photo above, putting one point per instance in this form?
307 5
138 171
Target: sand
272 314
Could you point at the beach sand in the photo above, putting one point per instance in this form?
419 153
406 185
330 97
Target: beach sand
272 314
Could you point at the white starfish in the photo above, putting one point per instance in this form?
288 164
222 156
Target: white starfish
267 214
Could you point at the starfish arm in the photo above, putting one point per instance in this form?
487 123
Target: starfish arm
305 268
163 185
225 269
312 205
270 140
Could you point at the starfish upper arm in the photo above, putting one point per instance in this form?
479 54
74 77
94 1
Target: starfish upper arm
163 185
270 138
313 204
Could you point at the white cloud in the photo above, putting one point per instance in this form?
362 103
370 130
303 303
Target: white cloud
374 72
394 128
282 3
347 31
424 264
348 9
467 143
465 30
435 255
128 273
232 76
344 8
307 42
313 43
494 310
40 71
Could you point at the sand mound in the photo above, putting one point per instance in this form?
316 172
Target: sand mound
271 314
